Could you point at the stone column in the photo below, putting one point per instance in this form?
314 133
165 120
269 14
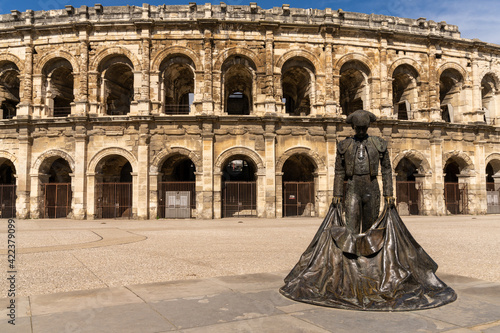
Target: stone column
26 87
93 89
23 185
141 190
270 171
434 103
386 107
436 150
209 207
270 103
154 178
279 194
321 185
91 204
36 194
79 181
208 95
331 153
144 99
82 96
330 102
478 203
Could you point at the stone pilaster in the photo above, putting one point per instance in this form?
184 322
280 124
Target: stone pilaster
141 194
270 171
23 186
437 199
79 181
210 204
208 96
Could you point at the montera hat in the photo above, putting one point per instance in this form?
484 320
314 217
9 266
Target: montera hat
361 118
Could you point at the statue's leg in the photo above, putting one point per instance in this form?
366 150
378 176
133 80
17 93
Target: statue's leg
353 205
371 203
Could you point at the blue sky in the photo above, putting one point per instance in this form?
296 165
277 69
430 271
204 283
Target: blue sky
475 18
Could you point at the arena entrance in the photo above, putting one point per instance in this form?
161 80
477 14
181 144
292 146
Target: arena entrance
298 186
56 190
177 177
113 188
7 189
407 194
492 188
455 194
239 188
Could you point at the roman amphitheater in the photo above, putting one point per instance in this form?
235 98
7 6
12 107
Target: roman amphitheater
213 111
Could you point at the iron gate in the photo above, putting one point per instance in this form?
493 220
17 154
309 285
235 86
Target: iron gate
7 201
407 192
164 187
114 200
456 198
298 198
56 200
239 199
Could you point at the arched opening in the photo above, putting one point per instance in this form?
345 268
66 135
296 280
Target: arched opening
117 85
354 88
114 187
58 87
177 188
455 193
239 187
404 91
493 187
408 196
238 77
489 92
297 85
9 89
7 189
450 87
56 183
177 84
298 186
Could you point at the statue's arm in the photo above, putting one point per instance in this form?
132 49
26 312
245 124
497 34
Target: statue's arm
385 164
338 184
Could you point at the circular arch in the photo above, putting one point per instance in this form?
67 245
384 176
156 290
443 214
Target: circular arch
225 155
14 59
311 57
112 151
464 161
110 51
314 156
452 65
52 154
8 156
417 158
174 50
164 154
494 159
353 56
493 75
247 53
405 61
47 57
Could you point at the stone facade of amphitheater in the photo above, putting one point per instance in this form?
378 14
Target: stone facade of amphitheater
224 96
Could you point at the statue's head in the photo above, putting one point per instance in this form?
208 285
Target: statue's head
360 121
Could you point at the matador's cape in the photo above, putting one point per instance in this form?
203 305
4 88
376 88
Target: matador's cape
383 269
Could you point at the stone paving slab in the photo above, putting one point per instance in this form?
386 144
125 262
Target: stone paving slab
243 303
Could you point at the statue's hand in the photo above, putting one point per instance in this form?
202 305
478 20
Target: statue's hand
337 200
390 200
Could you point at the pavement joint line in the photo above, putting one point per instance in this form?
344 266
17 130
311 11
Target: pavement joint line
152 308
104 241
482 327
30 314
91 271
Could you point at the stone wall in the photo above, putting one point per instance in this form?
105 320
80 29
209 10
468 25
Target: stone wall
100 86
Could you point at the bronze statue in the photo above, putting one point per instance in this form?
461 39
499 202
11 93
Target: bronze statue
367 261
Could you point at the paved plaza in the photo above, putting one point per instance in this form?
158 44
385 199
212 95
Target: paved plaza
224 276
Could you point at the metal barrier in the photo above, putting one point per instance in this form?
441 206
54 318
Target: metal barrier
239 199
456 198
298 199
114 200
407 193
56 200
164 187
7 201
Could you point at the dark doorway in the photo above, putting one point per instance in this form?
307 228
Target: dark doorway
455 194
239 188
406 188
178 175
298 186
114 188
57 192
7 189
